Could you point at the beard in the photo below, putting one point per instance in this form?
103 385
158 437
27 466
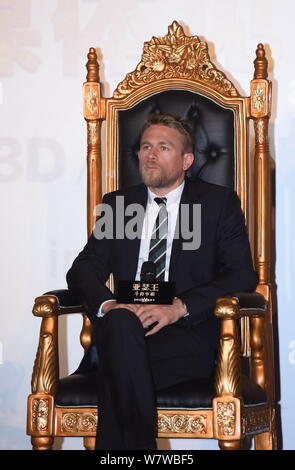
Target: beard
157 178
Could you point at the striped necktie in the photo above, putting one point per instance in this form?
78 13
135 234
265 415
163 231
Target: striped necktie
158 243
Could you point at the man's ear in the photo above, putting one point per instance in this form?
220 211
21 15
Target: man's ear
188 159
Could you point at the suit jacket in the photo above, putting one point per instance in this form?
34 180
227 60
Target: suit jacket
220 266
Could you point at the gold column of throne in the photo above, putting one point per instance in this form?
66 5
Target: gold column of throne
234 406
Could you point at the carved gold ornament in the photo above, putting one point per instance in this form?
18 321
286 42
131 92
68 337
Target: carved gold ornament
79 422
260 131
180 423
259 99
45 306
40 413
92 100
226 307
227 378
45 375
175 56
226 418
92 132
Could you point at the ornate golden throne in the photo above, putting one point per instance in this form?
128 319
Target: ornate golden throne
175 75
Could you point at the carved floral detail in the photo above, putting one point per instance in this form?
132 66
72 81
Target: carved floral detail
92 100
226 418
175 56
182 423
79 422
40 413
259 99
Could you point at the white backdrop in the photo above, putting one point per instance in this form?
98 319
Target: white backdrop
43 48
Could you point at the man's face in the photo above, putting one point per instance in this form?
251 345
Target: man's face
162 162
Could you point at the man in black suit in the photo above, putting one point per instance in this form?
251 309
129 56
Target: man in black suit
145 348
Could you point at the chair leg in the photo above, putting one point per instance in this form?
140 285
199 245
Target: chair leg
89 443
246 443
230 445
42 443
264 441
270 440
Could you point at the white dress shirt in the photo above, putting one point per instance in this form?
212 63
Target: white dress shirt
152 210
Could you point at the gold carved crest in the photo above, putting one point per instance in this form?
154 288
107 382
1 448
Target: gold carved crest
175 56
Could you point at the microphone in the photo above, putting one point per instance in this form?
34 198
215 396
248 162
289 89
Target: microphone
148 272
147 290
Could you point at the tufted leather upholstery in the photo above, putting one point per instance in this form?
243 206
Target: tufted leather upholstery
212 125
79 390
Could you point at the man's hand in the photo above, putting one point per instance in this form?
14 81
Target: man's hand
111 304
148 314
162 314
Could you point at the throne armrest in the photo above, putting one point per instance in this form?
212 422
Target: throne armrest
230 309
58 302
241 304
250 301
50 306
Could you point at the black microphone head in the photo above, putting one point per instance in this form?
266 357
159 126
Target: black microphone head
148 272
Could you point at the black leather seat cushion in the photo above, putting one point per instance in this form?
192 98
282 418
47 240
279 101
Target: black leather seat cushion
79 390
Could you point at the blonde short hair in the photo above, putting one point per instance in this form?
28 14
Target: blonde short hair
174 122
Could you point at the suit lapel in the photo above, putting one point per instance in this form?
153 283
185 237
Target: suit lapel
132 246
188 197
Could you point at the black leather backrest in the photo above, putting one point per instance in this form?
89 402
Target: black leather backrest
212 124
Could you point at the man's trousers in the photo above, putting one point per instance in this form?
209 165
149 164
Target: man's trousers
132 367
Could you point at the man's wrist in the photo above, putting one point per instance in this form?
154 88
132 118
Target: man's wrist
108 305
104 307
185 312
